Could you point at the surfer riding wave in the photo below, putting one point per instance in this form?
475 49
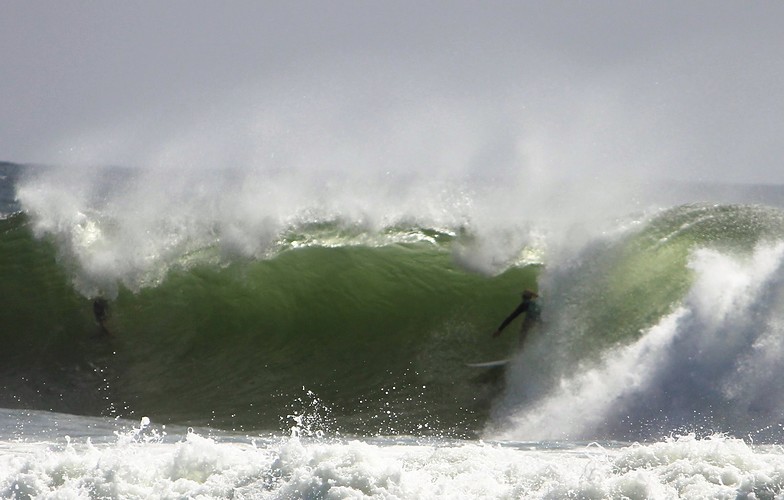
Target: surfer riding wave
529 306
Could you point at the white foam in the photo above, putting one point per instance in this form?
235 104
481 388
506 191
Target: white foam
579 403
719 350
195 466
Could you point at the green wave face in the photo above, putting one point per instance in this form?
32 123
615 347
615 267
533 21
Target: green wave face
380 335
378 332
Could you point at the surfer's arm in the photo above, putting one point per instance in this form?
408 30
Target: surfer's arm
517 312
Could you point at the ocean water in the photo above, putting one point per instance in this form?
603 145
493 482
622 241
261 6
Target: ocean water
280 337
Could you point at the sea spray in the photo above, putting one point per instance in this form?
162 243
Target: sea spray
127 227
312 418
577 408
710 364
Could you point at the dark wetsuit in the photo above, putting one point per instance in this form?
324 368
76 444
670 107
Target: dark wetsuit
533 313
101 312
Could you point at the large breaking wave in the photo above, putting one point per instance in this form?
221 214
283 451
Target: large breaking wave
230 313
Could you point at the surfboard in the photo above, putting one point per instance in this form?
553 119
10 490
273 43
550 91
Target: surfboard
488 364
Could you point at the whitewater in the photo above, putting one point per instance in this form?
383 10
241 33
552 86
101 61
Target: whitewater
275 335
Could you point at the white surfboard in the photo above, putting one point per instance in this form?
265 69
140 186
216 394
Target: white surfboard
488 364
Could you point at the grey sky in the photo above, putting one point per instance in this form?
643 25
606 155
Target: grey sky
680 89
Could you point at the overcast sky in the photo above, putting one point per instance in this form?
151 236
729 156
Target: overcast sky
683 89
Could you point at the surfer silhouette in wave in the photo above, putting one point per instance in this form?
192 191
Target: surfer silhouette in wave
529 306
101 313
